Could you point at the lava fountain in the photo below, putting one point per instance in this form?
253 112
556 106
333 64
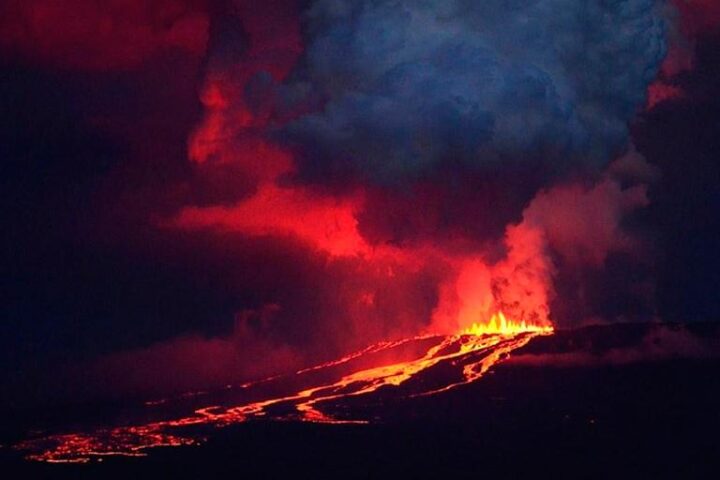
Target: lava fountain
471 353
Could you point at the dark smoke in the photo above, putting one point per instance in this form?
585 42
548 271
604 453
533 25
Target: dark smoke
411 89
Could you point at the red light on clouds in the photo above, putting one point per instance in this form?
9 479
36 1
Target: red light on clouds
325 223
99 36
698 16
584 224
660 92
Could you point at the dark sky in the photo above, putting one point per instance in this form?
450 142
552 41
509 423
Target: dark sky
105 111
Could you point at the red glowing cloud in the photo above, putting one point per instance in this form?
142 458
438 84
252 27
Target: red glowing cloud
660 92
324 223
188 361
271 33
98 36
698 16
231 133
695 18
583 224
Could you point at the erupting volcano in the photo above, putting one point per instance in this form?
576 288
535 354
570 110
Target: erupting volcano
364 237
465 357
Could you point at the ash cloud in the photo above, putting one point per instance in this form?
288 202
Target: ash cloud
412 89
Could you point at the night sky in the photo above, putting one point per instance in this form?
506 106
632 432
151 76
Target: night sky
198 192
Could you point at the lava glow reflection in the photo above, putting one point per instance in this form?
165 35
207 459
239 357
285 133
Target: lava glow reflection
471 353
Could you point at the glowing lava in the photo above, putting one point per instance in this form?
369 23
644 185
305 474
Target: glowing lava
499 324
471 353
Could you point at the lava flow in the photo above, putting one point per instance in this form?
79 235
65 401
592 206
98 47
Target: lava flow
402 369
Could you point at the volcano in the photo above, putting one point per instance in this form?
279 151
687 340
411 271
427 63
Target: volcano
360 238
611 394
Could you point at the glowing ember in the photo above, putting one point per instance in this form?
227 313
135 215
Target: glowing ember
475 350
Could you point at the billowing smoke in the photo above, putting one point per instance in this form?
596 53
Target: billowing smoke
382 168
407 90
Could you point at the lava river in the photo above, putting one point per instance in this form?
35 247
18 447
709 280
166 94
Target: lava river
322 394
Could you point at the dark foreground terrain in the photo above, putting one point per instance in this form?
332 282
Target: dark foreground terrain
626 401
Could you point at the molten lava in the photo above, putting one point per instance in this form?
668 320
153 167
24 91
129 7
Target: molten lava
500 324
471 353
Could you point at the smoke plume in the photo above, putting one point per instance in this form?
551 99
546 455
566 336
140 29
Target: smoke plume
407 90
416 166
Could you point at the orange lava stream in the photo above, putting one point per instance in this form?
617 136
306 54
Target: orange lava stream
500 324
477 349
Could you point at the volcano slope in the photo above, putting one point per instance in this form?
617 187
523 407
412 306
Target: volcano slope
621 400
